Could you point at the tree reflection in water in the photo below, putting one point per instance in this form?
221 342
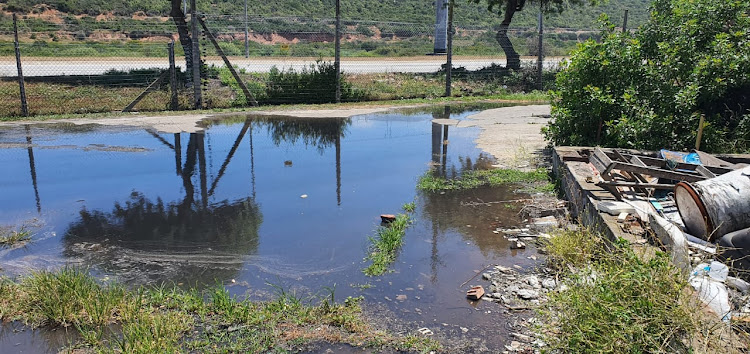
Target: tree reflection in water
189 241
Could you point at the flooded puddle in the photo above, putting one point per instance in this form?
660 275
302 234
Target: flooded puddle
259 203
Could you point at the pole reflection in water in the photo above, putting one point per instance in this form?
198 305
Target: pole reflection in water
32 168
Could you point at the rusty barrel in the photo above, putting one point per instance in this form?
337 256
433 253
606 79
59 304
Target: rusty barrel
717 206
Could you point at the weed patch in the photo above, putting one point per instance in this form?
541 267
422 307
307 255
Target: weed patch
12 236
616 300
478 178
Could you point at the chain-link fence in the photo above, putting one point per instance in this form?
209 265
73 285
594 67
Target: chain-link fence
82 64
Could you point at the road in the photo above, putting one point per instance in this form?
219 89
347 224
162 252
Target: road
95 66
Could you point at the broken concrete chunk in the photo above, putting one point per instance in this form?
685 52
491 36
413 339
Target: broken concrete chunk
615 208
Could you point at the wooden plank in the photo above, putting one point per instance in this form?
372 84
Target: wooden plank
600 166
705 172
637 185
713 161
604 159
657 172
237 78
661 163
145 92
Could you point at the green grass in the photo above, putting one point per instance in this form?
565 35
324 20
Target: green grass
478 178
386 243
111 318
618 301
53 100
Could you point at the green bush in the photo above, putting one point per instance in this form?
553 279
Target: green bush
649 89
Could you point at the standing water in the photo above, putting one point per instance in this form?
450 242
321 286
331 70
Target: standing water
258 203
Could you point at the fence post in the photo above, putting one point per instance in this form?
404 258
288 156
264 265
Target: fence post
196 57
247 44
22 88
337 54
540 55
172 77
449 51
625 22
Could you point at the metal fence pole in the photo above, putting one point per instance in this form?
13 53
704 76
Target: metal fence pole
540 55
625 22
337 49
449 51
247 43
197 100
21 86
172 77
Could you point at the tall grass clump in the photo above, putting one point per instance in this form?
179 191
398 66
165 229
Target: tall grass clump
615 300
478 178
163 319
313 84
387 241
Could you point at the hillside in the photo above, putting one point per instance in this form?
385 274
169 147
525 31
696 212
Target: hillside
414 11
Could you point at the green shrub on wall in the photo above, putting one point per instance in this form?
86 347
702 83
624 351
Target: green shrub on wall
648 89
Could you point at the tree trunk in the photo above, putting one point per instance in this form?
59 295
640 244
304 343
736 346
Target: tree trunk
512 58
183 31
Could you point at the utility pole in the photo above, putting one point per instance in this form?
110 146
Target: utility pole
449 52
21 86
197 100
247 44
540 55
337 54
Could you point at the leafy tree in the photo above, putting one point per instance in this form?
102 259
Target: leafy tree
649 89
513 6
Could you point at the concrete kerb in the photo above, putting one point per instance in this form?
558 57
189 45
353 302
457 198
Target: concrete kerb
584 198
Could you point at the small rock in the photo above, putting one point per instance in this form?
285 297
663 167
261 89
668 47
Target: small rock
486 276
401 297
549 283
527 294
521 337
303 196
464 329
517 245
533 281
503 269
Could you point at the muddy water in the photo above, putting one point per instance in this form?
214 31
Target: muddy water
259 203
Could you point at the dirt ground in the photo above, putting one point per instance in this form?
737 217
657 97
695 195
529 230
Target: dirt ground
511 134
